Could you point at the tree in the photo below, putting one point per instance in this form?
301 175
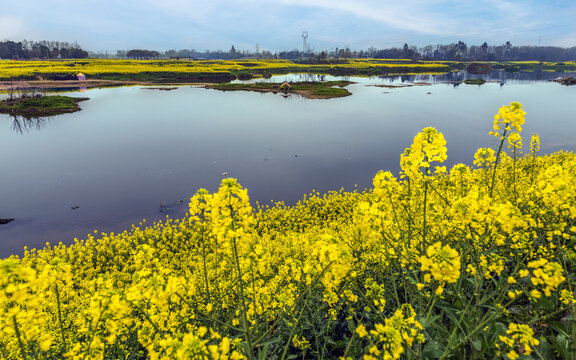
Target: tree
142 54
461 50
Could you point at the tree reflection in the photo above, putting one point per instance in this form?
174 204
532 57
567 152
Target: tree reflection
22 124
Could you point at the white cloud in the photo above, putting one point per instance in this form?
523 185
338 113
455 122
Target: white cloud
406 15
569 40
12 28
277 24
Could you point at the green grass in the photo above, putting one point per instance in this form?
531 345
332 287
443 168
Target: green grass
326 89
40 106
474 81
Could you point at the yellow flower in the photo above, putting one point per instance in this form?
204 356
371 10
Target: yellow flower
514 141
512 355
484 157
534 144
547 274
509 116
443 262
567 297
300 342
361 331
428 145
520 334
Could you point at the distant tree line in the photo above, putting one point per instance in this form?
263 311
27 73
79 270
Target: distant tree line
459 51
41 50
507 52
142 54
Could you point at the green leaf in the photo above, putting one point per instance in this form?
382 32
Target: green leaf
545 349
561 344
558 326
425 323
499 328
432 350
477 344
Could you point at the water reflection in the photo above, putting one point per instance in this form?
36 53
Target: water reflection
111 165
23 124
500 76
455 77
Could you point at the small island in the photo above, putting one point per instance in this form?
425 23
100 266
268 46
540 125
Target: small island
474 81
307 89
38 106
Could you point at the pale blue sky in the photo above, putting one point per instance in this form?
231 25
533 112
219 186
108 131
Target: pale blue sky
274 25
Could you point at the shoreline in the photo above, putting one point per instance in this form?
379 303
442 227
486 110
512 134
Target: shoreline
88 84
41 106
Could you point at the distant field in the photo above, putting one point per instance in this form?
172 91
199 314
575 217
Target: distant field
185 71
154 69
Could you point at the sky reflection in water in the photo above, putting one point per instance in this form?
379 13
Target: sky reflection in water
134 153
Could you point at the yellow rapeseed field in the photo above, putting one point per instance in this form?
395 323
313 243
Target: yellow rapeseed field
472 262
99 67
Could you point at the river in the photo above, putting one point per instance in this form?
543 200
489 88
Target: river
134 153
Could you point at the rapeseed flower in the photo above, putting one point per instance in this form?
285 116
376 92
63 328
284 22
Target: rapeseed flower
443 263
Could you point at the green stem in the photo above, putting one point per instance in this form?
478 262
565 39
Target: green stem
514 177
349 344
17 330
496 162
204 259
424 215
293 330
60 317
242 300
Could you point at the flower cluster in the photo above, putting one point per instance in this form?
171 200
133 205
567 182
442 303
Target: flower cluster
519 336
428 145
509 117
442 262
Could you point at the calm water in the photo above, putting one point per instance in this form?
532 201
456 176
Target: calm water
135 153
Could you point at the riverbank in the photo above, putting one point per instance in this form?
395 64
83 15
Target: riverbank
59 84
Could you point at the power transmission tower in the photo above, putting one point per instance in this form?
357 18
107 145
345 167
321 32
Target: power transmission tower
304 37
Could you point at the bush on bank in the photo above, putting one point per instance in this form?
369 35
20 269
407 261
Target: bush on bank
474 262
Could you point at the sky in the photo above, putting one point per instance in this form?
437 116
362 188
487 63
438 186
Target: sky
275 25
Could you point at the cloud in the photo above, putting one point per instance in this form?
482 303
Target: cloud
405 15
13 28
277 24
568 40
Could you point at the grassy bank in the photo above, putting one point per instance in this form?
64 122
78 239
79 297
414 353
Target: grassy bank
311 90
40 105
473 262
